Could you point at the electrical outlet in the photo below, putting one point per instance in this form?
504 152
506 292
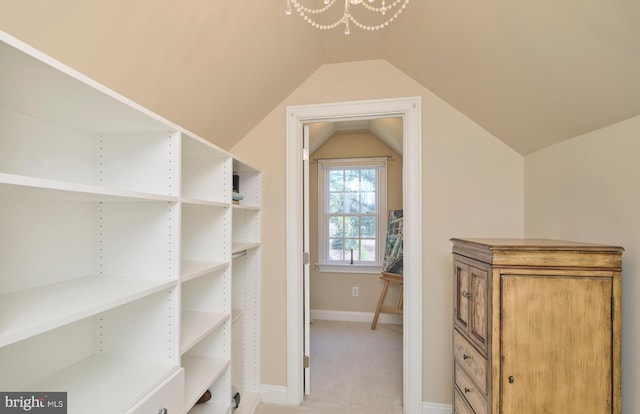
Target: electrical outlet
354 291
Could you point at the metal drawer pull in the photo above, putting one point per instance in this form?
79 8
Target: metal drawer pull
466 390
511 379
465 356
163 411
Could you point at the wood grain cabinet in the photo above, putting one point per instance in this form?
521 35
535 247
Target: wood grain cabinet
536 327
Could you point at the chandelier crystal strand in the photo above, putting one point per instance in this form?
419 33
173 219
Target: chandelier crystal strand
383 9
346 17
310 14
302 8
387 22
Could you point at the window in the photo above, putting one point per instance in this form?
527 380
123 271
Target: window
351 214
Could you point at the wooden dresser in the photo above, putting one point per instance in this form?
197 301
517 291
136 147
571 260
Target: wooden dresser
536 327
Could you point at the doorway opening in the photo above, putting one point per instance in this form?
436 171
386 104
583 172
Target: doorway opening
409 110
354 181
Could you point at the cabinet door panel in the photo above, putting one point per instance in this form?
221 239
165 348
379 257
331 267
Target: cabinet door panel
479 306
556 345
462 293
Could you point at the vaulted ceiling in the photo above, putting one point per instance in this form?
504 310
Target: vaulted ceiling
531 72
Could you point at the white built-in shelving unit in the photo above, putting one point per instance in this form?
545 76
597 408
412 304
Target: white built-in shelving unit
128 278
245 291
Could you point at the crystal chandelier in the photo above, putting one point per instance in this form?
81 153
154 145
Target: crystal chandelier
385 13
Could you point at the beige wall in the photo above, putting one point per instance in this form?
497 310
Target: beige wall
332 291
472 186
586 189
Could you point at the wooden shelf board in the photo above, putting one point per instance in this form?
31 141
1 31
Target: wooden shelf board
249 402
236 315
24 186
200 374
237 247
196 325
33 311
192 269
210 407
201 202
245 207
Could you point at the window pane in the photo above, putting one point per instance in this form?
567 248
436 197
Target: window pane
351 245
336 180
368 251
352 180
368 179
336 227
368 204
335 249
351 227
336 203
351 203
368 227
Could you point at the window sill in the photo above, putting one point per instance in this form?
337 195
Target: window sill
347 268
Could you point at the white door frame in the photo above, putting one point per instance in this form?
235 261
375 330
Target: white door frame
410 109
306 247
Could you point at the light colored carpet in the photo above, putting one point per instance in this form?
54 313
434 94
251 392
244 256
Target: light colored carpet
354 370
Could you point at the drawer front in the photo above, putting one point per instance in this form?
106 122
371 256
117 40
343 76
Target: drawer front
460 406
471 360
169 395
470 392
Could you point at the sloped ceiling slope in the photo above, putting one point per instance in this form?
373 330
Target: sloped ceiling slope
531 72
214 67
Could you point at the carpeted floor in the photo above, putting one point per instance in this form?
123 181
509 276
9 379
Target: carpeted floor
354 370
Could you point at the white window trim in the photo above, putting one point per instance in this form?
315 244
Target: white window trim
348 268
381 216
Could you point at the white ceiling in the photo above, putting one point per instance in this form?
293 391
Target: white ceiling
531 72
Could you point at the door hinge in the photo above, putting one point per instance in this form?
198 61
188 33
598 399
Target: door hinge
306 361
305 258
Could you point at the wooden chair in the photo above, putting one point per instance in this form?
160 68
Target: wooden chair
388 278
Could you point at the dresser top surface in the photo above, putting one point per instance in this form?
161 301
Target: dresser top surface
532 244
539 253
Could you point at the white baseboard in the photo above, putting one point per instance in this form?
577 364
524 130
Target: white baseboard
433 408
329 315
275 394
